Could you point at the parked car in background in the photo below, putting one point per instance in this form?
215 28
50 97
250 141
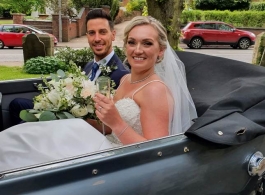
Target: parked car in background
11 34
197 34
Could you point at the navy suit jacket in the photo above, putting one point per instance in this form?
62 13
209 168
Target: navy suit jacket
117 74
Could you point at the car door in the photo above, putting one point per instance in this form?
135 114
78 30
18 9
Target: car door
8 35
19 32
209 33
226 34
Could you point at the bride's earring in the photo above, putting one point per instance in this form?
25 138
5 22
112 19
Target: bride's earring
159 59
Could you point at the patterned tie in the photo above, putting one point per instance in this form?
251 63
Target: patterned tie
94 71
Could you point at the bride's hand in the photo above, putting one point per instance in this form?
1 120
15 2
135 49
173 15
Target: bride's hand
106 110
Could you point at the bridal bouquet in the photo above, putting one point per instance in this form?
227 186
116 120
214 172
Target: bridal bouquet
67 95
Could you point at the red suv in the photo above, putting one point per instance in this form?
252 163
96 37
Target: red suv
196 34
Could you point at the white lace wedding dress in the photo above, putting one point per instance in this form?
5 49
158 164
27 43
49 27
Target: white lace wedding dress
40 142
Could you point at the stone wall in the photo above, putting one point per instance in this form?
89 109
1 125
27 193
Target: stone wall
45 25
71 27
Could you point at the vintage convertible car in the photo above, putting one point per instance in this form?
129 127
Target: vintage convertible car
221 154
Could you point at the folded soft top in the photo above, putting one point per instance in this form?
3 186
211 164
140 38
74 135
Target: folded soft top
229 96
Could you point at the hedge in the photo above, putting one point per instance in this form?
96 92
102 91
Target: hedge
236 18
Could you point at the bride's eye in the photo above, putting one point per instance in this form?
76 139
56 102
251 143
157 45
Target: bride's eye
148 43
130 42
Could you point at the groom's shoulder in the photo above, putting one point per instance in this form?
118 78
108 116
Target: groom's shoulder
88 64
115 60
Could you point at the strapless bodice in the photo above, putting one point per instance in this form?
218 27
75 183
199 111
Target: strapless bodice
130 113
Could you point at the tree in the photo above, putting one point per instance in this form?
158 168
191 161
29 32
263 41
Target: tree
54 5
25 6
168 12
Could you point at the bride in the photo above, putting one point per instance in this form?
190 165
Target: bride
151 102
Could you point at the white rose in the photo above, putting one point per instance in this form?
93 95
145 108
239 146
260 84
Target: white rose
89 89
85 93
54 97
54 83
38 106
78 111
90 108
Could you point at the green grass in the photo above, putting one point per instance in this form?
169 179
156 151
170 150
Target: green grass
6 21
15 72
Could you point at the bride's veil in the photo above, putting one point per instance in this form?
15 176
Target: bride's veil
172 71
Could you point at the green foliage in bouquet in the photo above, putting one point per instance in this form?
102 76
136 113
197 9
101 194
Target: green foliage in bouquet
79 56
44 65
67 95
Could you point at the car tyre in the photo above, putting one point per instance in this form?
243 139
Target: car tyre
244 43
196 43
2 45
189 45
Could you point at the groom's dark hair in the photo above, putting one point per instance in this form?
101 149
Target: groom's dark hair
99 13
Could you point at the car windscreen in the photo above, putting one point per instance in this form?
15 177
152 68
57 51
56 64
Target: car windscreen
187 26
7 28
36 29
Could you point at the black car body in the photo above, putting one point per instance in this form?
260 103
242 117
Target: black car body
222 153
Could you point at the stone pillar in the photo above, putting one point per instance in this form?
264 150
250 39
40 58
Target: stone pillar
124 3
83 18
65 29
55 25
18 18
78 27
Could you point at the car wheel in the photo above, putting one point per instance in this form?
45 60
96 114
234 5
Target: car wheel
11 47
234 46
244 43
2 45
189 45
196 43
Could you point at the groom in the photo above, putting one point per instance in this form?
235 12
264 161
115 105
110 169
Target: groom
100 34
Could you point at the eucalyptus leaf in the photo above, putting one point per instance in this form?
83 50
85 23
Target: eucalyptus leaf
68 115
61 73
61 115
55 77
52 110
47 116
34 111
28 117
